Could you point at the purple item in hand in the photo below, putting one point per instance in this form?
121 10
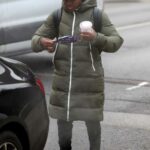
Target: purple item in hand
67 39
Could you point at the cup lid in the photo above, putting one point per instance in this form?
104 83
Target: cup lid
85 24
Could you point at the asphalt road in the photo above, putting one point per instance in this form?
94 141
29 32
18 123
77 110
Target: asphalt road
126 124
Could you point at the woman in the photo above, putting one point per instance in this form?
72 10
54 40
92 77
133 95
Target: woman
78 83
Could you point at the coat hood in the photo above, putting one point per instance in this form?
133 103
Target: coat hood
86 4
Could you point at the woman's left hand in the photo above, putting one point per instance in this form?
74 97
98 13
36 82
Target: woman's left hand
89 36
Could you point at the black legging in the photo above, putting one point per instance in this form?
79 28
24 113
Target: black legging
65 134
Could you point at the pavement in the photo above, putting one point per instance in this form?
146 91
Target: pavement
126 124
121 130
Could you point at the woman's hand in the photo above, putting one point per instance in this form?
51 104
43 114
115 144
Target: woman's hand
48 44
89 36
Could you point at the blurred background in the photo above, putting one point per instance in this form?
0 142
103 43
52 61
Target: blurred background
126 124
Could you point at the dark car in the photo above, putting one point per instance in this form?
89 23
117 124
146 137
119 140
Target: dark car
24 120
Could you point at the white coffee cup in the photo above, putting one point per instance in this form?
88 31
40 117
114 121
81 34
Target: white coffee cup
86 26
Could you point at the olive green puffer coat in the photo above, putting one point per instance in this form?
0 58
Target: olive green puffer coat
78 82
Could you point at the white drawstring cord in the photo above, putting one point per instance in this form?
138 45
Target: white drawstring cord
92 60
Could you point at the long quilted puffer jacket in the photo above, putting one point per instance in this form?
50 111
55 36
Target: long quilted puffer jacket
78 82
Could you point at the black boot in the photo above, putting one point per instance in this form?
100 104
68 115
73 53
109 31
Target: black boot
65 147
64 134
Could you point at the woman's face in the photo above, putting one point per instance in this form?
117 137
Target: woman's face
71 5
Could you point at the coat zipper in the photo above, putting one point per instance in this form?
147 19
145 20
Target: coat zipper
92 60
71 64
